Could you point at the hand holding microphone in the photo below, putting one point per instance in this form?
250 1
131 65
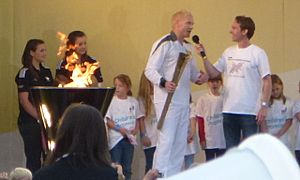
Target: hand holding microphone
199 47
210 68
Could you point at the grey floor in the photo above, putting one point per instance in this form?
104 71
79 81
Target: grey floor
11 151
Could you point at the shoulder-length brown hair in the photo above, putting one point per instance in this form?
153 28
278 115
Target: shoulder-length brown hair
82 134
27 58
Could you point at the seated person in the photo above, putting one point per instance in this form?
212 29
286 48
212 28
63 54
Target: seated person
81 148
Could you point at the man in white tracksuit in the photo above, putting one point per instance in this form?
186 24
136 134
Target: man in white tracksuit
169 154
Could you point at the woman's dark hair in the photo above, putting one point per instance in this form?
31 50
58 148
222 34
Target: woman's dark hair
125 80
246 23
82 134
31 45
71 41
276 80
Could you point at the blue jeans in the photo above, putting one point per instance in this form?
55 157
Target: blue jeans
237 127
188 160
149 153
122 154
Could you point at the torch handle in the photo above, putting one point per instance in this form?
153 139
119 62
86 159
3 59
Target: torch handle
164 111
182 61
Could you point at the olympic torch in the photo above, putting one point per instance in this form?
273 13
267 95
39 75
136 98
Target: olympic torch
181 62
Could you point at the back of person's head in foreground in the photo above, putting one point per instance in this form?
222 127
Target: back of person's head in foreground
81 133
20 174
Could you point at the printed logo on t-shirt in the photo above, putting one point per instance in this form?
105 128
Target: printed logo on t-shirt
215 119
236 67
284 109
275 124
131 109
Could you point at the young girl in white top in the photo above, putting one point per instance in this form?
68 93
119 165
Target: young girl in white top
192 141
279 116
122 124
210 120
148 124
296 113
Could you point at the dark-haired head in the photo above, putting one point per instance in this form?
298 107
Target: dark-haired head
82 133
31 46
246 23
72 37
71 43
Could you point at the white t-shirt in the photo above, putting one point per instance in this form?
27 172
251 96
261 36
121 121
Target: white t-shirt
296 109
243 70
277 115
209 107
193 147
162 62
150 125
123 112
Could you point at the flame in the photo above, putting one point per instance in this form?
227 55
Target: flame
73 59
63 43
46 116
83 75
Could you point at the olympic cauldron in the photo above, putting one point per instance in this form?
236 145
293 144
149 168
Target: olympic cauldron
51 102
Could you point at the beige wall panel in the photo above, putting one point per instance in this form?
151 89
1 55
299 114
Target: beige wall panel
121 33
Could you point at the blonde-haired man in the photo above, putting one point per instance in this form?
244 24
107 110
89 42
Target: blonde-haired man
172 139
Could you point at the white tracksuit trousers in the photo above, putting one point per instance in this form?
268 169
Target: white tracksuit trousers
172 139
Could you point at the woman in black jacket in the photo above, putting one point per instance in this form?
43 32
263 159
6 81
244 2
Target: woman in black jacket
33 73
81 149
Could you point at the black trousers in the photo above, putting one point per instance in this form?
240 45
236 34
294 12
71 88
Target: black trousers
211 154
297 155
31 135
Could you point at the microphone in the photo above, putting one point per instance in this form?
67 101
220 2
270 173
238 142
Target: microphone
196 40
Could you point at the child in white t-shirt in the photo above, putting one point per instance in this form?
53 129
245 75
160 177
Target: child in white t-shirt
296 113
279 116
192 147
210 120
122 124
148 124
